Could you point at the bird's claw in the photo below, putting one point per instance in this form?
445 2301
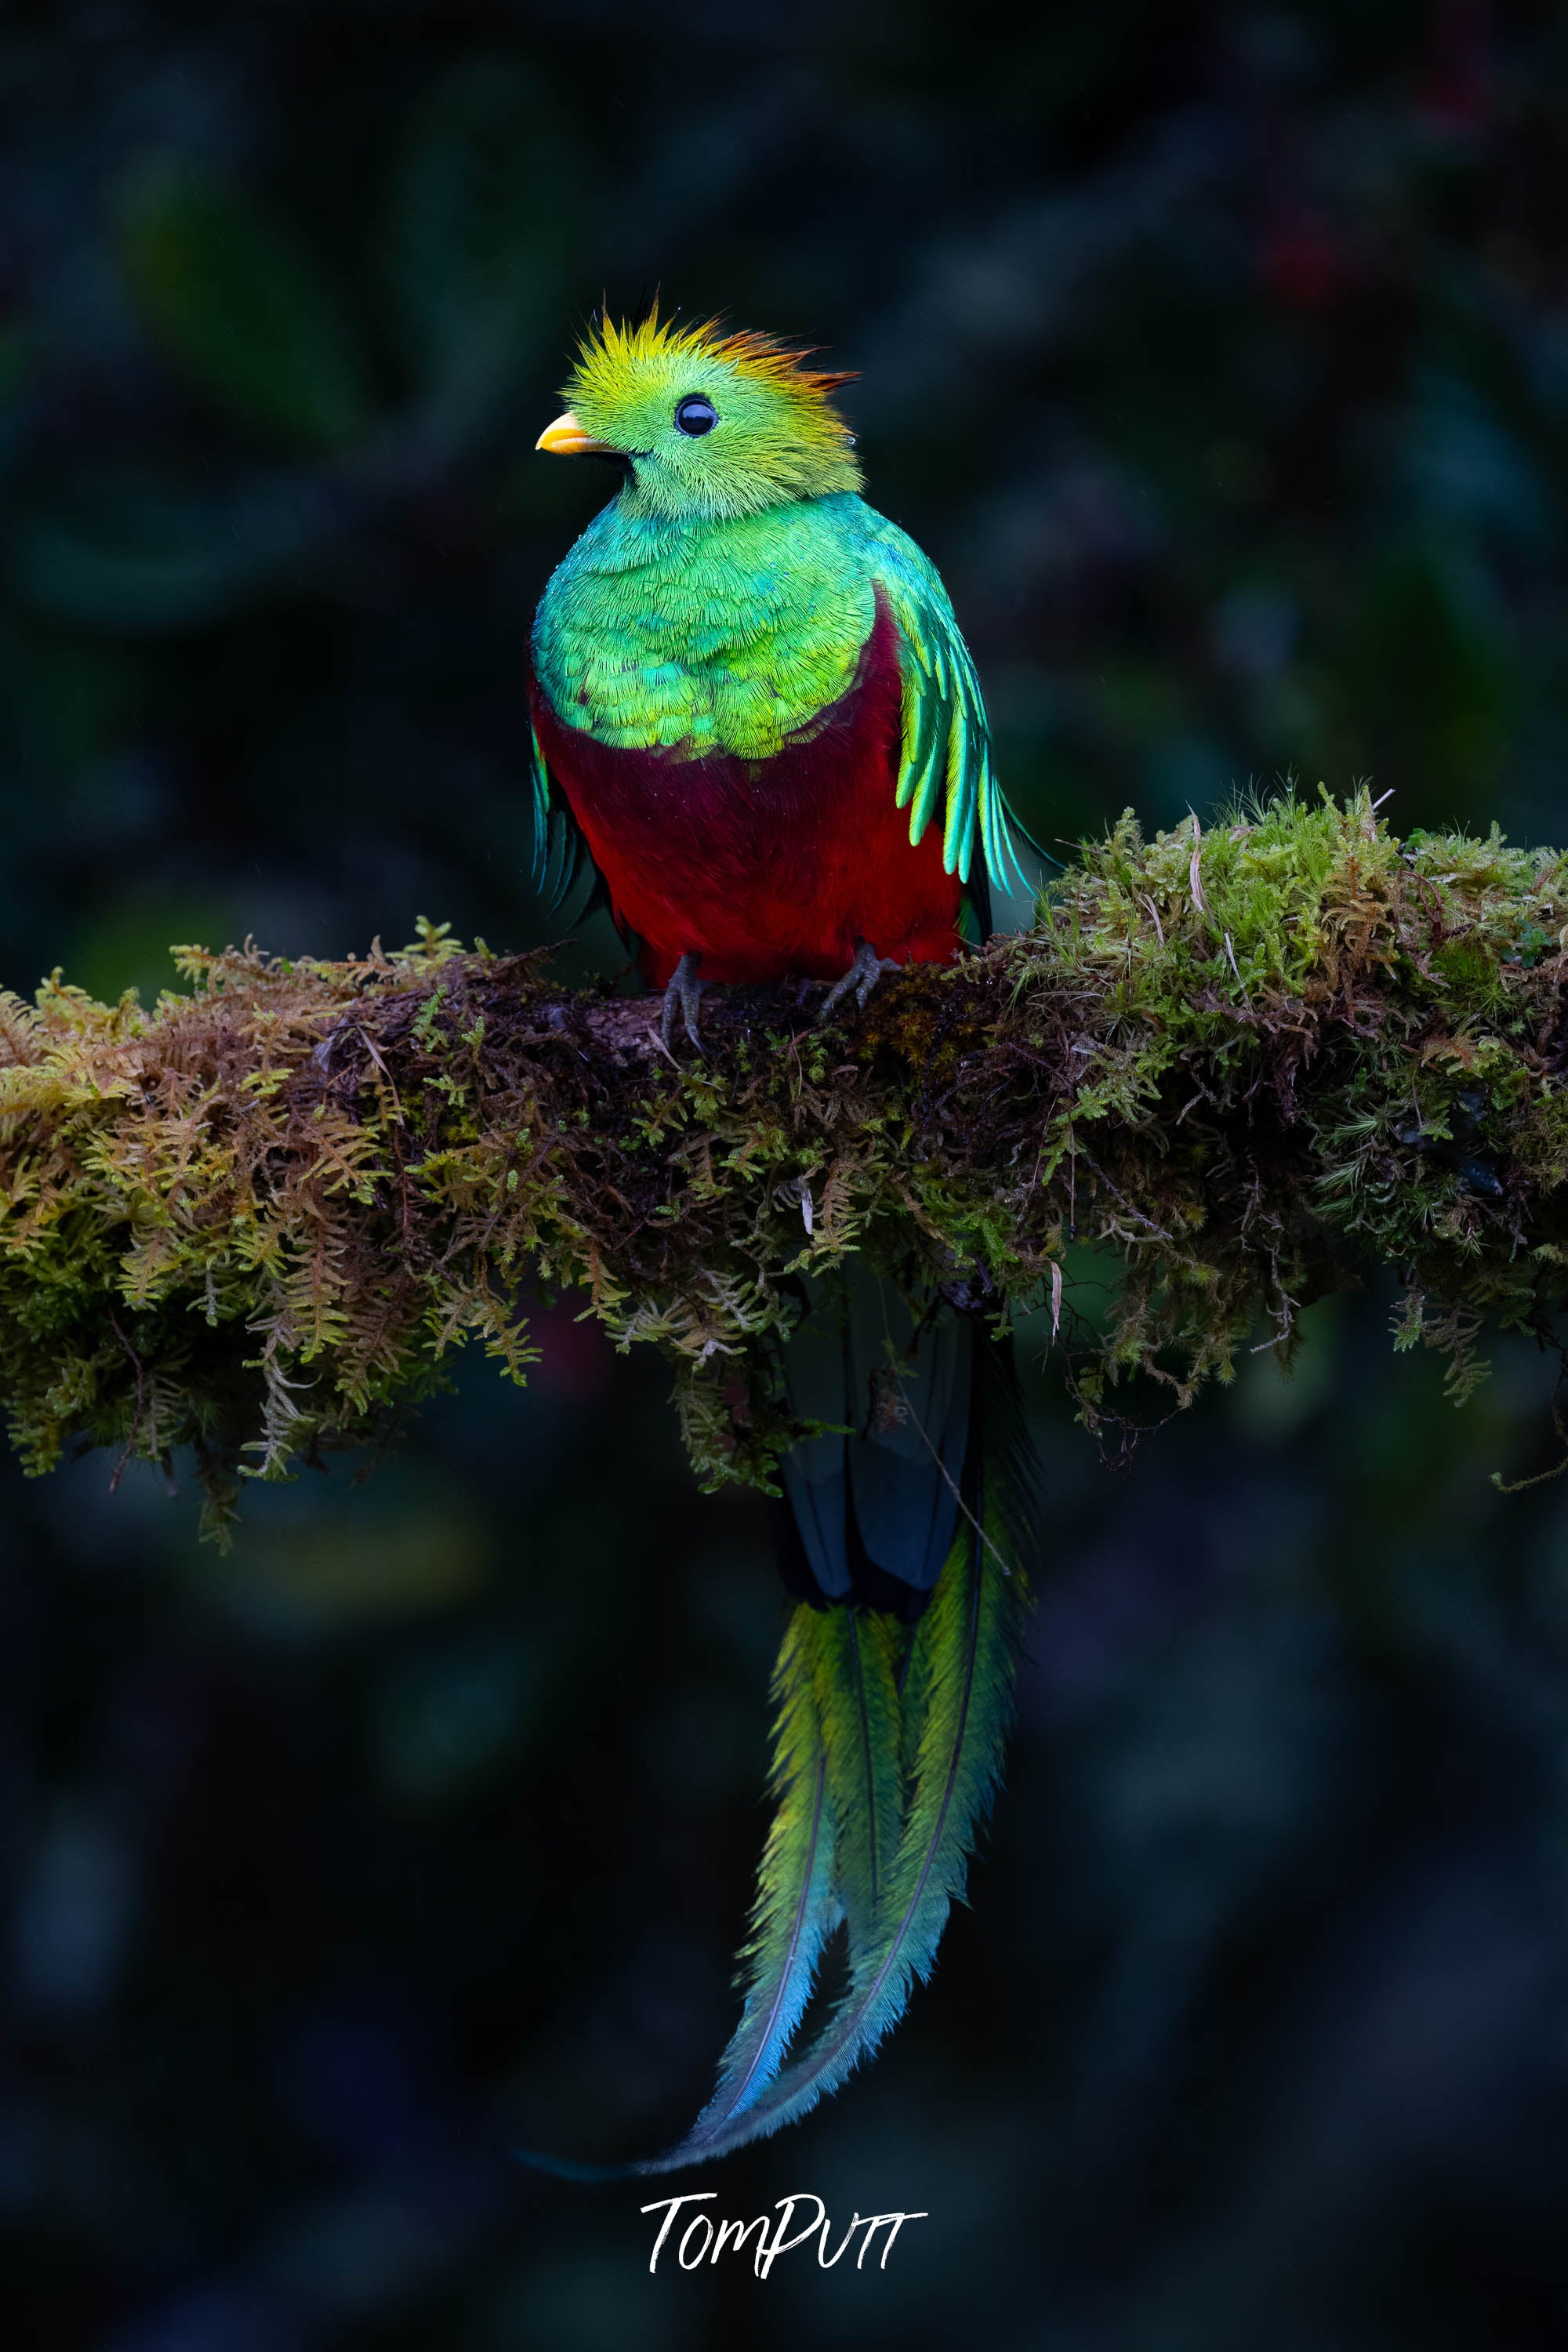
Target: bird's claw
862 978
683 995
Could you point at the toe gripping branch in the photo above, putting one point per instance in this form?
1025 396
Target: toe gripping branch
683 995
862 978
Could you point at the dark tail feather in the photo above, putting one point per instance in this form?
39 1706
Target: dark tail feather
872 1503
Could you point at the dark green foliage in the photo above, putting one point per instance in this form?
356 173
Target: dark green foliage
475 265
239 307
1244 1064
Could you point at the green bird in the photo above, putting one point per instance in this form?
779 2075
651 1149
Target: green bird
754 715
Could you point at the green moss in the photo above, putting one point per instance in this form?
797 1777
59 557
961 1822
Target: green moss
1239 1063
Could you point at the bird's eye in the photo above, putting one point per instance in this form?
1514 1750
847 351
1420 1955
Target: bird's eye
696 415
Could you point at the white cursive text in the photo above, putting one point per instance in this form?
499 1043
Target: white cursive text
703 2238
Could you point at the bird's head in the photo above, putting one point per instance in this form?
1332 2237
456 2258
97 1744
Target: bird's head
711 423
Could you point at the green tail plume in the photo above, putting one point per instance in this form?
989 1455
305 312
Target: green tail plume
795 1906
859 1656
888 1753
895 1889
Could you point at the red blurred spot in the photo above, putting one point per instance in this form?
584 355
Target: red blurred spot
577 1358
1299 261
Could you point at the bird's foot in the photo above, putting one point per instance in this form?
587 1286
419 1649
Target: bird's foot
682 996
861 977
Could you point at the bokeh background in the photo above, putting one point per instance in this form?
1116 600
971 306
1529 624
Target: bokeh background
1219 355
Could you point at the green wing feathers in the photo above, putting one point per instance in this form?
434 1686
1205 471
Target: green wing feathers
559 859
946 751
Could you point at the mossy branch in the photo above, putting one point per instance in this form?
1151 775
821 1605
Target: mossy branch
1252 1062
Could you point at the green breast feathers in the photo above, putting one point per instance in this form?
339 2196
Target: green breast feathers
731 633
713 635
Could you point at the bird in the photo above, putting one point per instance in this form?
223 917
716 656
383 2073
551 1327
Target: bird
756 726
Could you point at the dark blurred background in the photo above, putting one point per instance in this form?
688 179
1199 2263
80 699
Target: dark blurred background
1220 357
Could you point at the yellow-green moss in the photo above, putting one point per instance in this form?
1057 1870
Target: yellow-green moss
1252 1059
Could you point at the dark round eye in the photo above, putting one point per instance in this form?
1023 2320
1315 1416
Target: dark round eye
695 414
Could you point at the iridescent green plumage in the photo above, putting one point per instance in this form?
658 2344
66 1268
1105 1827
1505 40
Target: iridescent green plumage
831 1851
701 636
959 1680
752 691
794 1907
721 601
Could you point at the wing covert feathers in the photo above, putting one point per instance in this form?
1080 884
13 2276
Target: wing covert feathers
559 853
945 753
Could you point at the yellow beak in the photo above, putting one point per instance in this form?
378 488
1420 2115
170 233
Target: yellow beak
566 438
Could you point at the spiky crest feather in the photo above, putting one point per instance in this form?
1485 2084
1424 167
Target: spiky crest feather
778 438
607 350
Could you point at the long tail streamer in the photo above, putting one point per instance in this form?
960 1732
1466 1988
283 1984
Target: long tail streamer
959 1682
795 1906
888 1751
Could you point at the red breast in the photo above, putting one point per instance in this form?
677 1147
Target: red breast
766 868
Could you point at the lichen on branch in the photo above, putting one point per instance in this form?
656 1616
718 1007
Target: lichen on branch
1249 1062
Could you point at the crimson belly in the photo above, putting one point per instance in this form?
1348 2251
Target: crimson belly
766 868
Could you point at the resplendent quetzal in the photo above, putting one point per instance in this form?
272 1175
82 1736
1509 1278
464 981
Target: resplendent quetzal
752 706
